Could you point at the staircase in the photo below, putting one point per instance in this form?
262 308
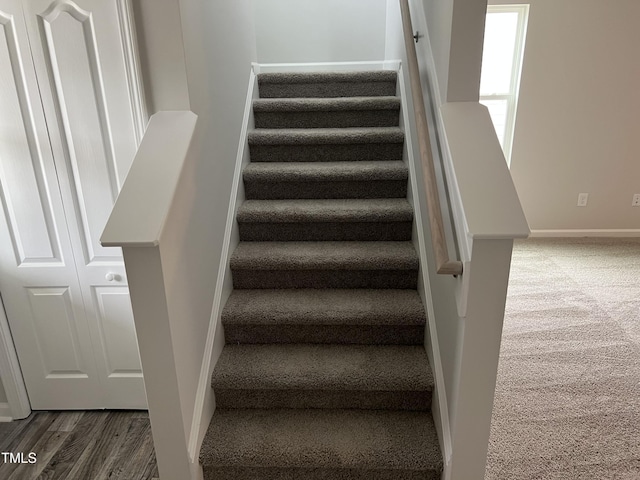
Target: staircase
324 373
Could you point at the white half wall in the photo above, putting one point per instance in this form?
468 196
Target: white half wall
290 31
577 120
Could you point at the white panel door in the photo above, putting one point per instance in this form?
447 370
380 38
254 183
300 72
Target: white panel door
77 51
38 277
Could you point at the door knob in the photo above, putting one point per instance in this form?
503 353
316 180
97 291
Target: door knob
110 277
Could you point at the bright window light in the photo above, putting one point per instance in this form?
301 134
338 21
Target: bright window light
504 35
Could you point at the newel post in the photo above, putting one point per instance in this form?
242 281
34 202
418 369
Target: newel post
488 277
148 299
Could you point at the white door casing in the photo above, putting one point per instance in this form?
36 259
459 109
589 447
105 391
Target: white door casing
77 57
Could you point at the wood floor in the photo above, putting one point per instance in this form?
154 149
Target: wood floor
93 445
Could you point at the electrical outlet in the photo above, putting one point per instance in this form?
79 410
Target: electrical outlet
636 200
583 198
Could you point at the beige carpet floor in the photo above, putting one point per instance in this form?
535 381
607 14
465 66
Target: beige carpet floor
567 402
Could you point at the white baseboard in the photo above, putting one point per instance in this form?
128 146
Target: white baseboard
5 413
325 66
572 233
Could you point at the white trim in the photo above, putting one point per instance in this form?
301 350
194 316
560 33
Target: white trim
325 66
427 298
616 232
204 382
11 375
133 68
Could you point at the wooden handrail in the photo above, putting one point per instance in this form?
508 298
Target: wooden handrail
444 265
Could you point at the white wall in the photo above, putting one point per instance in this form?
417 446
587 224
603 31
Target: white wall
577 120
290 31
159 35
219 45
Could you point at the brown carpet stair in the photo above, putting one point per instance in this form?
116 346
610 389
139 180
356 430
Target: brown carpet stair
325 219
378 377
325 144
324 374
309 180
327 84
326 112
334 316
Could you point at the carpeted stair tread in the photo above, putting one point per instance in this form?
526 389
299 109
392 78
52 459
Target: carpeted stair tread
340 112
326 136
324 307
393 377
322 179
325 171
325 104
324 255
327 84
322 367
324 316
326 443
325 210
327 77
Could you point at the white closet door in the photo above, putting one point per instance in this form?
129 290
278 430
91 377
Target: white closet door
78 54
38 278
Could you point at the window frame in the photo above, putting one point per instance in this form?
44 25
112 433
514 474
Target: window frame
522 10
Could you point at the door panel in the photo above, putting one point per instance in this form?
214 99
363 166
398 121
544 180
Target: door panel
56 333
29 215
39 282
123 369
114 313
72 57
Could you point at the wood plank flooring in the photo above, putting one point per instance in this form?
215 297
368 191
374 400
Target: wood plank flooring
91 445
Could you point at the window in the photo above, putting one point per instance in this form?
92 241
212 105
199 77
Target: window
504 35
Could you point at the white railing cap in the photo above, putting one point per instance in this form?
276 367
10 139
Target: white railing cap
138 216
489 198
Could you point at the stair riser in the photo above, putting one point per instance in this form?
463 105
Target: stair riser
231 473
366 400
325 231
336 119
398 279
255 190
326 152
327 89
327 334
